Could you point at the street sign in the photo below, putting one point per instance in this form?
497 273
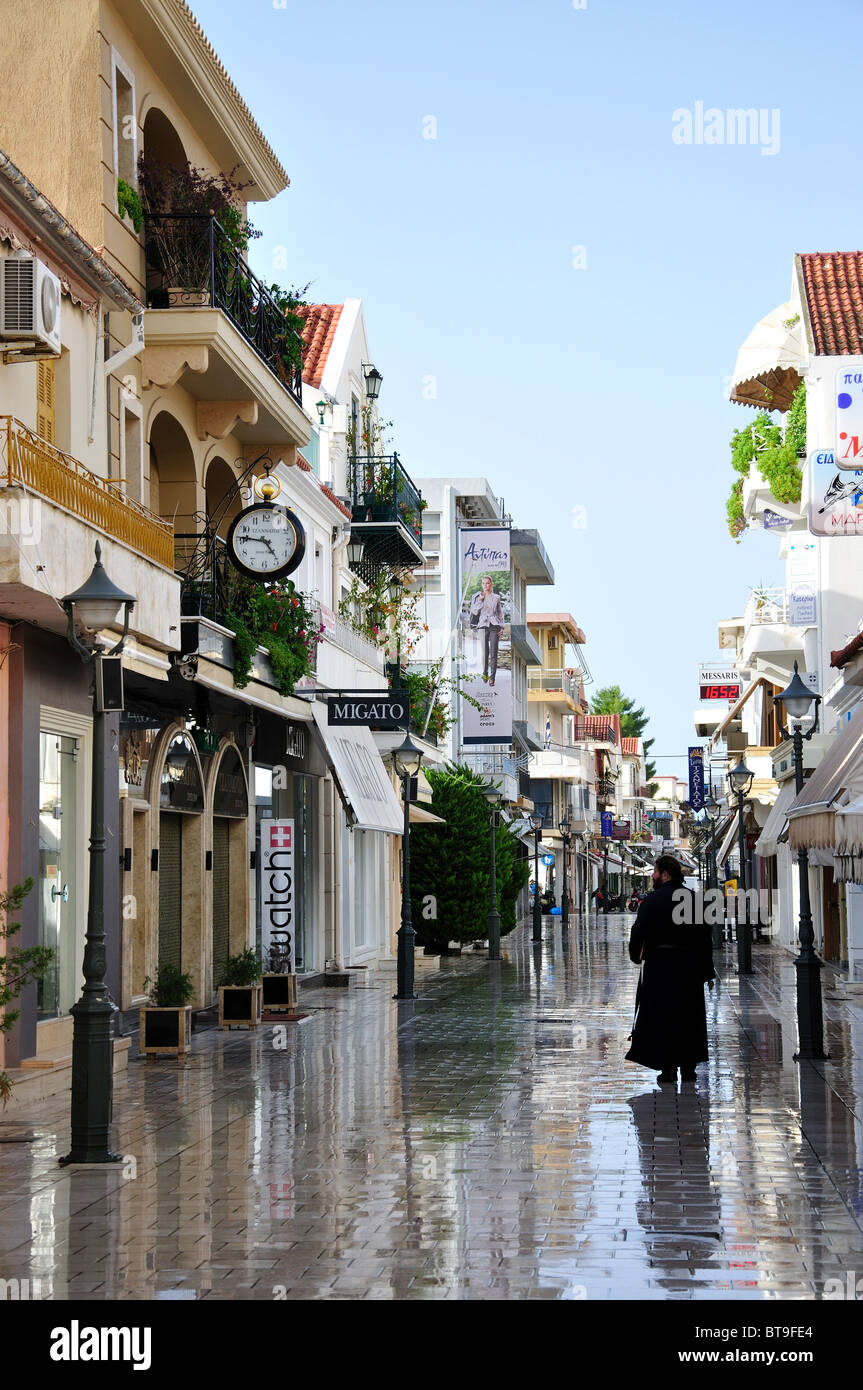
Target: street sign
548 860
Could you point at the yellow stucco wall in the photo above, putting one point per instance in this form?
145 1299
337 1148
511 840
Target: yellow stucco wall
49 77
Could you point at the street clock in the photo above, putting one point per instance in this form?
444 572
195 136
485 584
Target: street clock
266 541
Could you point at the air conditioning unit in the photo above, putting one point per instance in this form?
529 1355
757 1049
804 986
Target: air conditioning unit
29 303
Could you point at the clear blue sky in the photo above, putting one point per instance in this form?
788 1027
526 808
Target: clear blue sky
602 387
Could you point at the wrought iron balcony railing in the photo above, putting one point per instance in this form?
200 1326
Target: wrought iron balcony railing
31 462
191 263
382 491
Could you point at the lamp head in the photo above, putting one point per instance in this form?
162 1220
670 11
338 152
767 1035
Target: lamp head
355 551
373 381
712 807
493 796
796 698
407 758
741 777
98 601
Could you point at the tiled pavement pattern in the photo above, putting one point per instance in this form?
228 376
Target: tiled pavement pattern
486 1142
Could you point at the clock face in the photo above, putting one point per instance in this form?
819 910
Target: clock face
266 542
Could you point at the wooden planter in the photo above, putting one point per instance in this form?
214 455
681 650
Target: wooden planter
165 1032
239 1006
278 993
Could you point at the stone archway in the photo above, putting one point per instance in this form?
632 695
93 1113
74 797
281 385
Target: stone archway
162 144
174 490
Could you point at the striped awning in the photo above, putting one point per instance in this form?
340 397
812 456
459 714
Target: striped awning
836 782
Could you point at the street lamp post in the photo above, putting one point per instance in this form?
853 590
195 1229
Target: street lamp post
407 759
536 823
493 797
586 839
796 699
712 811
740 778
95 606
564 826
605 848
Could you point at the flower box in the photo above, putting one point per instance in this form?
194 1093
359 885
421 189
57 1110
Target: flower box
165 1032
278 993
239 1006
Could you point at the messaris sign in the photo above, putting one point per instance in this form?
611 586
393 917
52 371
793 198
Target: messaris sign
375 711
277 888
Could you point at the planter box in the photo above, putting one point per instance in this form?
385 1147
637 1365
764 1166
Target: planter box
165 1032
278 993
239 1006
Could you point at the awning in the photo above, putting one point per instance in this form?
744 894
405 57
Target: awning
769 365
418 815
361 775
777 822
730 840
736 708
836 782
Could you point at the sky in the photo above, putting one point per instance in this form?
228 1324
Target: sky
555 288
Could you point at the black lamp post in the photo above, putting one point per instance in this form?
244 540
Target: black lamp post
712 810
94 606
740 778
565 826
586 838
493 797
407 759
796 699
536 823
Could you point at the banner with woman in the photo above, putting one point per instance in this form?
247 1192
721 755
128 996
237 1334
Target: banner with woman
484 626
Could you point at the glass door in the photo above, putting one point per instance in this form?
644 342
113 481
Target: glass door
59 866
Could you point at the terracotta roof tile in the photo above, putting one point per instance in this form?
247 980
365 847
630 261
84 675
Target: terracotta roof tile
630 746
321 321
833 282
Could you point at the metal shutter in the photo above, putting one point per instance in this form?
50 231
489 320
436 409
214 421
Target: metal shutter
221 896
170 889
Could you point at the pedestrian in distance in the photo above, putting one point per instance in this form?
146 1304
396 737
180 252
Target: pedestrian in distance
676 958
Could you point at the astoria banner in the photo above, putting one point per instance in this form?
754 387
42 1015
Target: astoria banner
484 627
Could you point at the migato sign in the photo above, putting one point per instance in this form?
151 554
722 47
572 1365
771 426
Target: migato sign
374 711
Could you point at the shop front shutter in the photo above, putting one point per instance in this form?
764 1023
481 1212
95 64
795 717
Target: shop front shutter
45 400
170 889
221 896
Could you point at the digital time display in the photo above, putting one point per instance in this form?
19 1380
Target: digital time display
720 692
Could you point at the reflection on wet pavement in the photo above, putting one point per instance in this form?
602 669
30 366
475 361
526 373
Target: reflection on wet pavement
488 1141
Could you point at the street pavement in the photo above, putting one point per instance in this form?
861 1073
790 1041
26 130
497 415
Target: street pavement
485 1142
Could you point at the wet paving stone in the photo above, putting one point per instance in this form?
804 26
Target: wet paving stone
487 1142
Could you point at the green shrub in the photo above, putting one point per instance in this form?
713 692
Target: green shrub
171 989
241 969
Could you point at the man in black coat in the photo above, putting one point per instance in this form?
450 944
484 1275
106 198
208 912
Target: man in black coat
674 950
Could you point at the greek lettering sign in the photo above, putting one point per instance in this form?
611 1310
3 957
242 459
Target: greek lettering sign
696 778
835 497
849 417
375 711
276 888
485 636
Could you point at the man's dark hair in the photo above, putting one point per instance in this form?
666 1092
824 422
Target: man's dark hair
667 864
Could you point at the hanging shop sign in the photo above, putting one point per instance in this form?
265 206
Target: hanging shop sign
606 819
276 889
696 778
621 830
484 632
802 583
387 711
230 797
835 497
265 541
717 682
848 408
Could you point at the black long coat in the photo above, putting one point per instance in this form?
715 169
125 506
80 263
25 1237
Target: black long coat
670 1028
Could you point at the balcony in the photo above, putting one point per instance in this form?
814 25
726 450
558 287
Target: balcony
768 633
386 508
556 687
82 507
212 323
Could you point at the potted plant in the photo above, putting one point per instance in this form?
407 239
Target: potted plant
278 984
129 206
240 991
166 1023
